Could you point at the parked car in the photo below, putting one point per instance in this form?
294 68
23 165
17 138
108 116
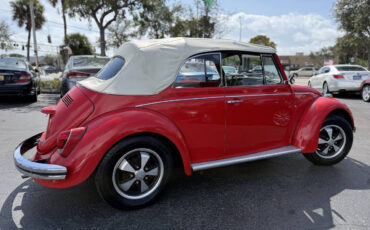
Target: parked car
304 72
18 78
49 68
339 78
80 67
128 125
365 90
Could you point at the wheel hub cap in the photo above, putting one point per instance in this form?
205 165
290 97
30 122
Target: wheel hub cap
332 140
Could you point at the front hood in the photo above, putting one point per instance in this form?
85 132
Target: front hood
71 110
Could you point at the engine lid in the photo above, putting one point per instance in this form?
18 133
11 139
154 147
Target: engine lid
69 112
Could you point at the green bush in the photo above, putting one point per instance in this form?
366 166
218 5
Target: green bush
53 85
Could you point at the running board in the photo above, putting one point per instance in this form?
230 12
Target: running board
246 158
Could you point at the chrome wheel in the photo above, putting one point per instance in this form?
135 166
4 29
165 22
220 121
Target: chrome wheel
332 140
366 93
138 173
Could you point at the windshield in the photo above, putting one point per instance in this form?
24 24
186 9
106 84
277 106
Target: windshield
12 63
350 68
85 62
111 69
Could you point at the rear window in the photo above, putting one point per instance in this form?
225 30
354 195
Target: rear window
12 63
111 69
350 68
82 62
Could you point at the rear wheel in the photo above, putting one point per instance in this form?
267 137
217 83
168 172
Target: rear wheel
335 141
134 172
366 93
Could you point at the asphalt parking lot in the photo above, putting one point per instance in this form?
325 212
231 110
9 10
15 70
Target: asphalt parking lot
280 193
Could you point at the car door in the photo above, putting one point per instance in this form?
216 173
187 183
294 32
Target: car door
259 106
197 106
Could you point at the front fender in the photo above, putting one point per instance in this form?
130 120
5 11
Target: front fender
104 132
307 131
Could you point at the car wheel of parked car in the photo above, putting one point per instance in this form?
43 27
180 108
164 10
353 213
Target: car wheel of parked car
366 93
133 173
335 141
325 88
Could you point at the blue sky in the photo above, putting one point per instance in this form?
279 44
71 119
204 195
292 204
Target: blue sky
296 26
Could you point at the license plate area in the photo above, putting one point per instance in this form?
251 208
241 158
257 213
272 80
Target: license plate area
357 77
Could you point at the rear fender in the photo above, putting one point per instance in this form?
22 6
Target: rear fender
307 132
104 132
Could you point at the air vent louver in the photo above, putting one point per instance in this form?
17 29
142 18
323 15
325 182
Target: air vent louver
67 100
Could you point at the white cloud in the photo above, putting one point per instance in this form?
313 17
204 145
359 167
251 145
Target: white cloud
291 32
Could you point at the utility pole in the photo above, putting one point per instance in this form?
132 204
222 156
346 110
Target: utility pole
34 33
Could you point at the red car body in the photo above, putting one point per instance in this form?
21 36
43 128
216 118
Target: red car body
198 125
183 122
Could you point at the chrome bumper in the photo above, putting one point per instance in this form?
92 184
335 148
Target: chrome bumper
33 169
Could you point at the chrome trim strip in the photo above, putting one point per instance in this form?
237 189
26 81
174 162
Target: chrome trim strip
204 98
37 170
245 158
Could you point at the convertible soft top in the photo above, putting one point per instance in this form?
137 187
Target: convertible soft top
152 65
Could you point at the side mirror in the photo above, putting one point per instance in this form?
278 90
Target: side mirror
291 78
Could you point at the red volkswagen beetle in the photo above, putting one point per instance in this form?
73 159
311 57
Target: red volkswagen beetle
127 125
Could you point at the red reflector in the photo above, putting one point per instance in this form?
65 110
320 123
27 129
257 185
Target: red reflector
24 78
67 140
338 76
63 138
77 74
49 110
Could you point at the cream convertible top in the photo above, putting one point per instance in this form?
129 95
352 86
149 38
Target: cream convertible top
152 65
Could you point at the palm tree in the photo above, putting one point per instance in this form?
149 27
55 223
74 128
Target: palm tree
64 11
22 14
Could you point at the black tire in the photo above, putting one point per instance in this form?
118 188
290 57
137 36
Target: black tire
365 93
106 174
318 159
325 87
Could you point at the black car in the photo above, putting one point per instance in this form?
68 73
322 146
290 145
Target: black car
18 78
80 67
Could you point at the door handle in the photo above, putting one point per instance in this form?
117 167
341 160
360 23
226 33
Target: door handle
234 101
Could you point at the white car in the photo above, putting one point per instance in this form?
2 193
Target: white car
339 78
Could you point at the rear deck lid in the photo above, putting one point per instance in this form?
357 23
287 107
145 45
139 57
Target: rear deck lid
69 112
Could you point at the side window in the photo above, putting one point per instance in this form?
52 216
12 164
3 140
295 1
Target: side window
272 74
200 71
242 70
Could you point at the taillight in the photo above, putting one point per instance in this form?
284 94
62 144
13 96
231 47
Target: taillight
77 74
24 78
338 76
67 140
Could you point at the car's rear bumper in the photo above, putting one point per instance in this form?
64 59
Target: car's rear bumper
345 85
16 89
36 169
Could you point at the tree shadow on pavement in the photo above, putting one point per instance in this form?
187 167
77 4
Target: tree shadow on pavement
280 193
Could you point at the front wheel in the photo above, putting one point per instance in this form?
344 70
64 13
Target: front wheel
325 89
335 142
134 172
366 93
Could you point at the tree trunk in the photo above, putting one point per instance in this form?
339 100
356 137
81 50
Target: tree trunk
28 45
102 41
64 20
368 53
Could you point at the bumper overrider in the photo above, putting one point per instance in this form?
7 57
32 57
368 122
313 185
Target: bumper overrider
39 170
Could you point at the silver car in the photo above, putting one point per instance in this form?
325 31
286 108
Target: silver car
339 78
